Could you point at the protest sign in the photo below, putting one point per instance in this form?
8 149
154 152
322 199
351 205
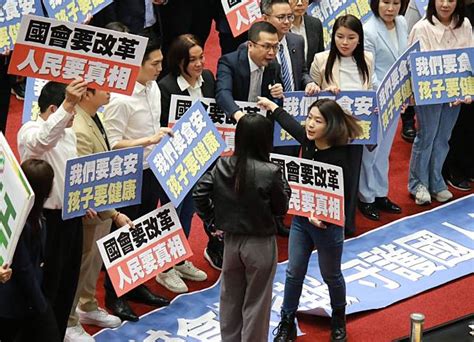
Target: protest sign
360 104
134 255
11 12
241 14
441 76
103 181
74 10
61 51
315 187
328 10
395 89
224 124
16 201
178 162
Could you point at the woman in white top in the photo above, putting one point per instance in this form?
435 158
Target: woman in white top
346 66
444 27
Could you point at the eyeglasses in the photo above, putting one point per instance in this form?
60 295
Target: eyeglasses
281 18
268 47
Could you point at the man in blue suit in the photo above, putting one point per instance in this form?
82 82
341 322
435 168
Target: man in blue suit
250 71
291 52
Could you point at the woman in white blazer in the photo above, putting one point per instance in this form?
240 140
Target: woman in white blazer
386 37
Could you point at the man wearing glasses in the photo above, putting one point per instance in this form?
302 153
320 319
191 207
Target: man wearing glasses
250 71
291 52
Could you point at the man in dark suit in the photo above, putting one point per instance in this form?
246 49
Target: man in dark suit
250 71
308 27
291 51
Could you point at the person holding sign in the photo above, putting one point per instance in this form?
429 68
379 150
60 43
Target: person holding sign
386 37
5 273
50 138
346 66
443 28
187 77
25 312
240 196
135 121
324 138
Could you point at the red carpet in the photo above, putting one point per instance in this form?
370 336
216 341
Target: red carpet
439 305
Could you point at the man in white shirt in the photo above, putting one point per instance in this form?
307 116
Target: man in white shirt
135 121
50 138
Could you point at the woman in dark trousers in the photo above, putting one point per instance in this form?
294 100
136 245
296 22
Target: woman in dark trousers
25 313
324 138
187 77
241 195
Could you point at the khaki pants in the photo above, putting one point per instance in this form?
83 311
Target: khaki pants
246 289
90 267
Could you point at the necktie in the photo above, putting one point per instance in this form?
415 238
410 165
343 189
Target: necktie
101 129
255 85
285 70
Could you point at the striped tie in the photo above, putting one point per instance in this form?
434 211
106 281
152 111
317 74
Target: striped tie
285 71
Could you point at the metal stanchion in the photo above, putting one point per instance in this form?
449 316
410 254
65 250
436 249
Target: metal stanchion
416 332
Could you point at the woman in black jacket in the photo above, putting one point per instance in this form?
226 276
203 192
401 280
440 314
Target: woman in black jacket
25 314
241 195
324 138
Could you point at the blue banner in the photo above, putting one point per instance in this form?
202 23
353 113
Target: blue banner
381 267
360 104
11 12
395 89
32 92
180 161
328 10
421 6
103 181
442 76
75 11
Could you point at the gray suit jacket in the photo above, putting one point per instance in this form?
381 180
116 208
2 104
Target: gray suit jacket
298 65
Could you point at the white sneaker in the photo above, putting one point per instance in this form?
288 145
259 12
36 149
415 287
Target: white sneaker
191 272
77 334
99 317
422 195
443 196
172 281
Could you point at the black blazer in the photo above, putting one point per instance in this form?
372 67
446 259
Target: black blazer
314 36
265 196
233 79
169 86
22 295
298 65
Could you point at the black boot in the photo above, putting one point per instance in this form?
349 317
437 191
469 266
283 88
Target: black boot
286 330
338 325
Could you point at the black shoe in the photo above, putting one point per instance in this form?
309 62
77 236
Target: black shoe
459 183
120 308
18 89
281 229
409 132
142 294
214 258
286 329
384 204
369 210
338 325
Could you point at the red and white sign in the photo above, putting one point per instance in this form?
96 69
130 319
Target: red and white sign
315 187
134 255
61 51
241 14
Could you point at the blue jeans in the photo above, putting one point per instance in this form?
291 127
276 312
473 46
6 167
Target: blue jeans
303 238
185 211
431 146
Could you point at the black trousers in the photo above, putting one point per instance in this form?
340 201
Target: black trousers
152 192
460 162
40 327
353 187
62 264
5 88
